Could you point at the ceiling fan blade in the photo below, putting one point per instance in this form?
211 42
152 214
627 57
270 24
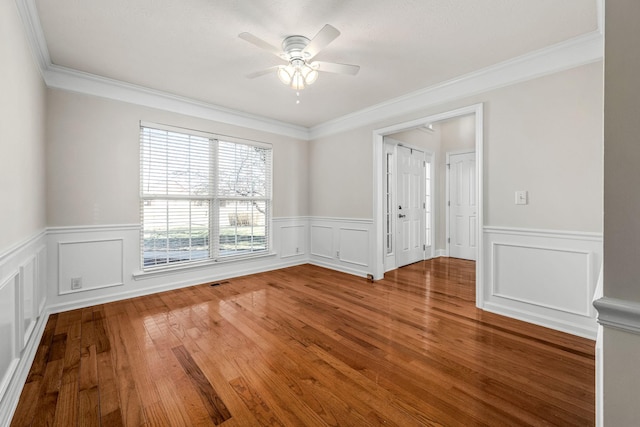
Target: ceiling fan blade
332 67
262 72
260 43
325 36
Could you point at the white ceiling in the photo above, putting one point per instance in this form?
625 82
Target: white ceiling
191 48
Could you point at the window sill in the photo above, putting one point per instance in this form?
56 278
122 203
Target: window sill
161 271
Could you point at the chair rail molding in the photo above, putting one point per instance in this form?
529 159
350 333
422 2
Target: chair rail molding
618 314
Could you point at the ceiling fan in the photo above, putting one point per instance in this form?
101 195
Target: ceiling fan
298 51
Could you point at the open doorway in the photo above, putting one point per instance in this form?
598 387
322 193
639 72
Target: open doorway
436 224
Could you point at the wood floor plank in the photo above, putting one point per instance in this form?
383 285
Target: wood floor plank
309 346
215 406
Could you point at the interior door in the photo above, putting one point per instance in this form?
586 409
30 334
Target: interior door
410 212
463 217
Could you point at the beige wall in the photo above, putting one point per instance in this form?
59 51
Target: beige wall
622 207
622 150
21 134
543 136
93 160
341 175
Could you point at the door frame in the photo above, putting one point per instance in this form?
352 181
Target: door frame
378 248
447 205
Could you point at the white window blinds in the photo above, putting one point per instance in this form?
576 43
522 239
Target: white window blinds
202 197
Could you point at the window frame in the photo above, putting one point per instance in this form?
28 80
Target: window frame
214 198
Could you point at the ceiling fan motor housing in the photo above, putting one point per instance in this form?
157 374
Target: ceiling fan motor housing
293 47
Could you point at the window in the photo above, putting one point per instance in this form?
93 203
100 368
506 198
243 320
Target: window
389 204
202 197
428 232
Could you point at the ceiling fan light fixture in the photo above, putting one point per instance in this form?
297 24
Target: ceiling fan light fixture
285 74
297 82
297 74
299 51
310 75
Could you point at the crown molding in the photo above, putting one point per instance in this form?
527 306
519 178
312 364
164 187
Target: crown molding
77 81
33 30
572 53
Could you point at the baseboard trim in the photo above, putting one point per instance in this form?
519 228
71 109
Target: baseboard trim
88 302
340 268
541 320
618 314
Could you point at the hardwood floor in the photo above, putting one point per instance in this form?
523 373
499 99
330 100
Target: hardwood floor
306 346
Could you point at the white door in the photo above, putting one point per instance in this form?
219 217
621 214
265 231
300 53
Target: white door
462 206
410 201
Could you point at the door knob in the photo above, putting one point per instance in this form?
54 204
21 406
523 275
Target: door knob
401 216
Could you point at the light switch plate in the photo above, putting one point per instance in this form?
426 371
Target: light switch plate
522 197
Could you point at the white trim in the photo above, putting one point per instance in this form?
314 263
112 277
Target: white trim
619 314
342 220
76 81
301 219
569 327
559 234
193 266
12 250
440 253
338 267
581 50
35 35
92 228
599 357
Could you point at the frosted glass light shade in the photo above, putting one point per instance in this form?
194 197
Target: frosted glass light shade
297 75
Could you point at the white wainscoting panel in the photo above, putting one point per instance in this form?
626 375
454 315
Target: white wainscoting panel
293 240
28 312
9 330
552 278
342 244
98 263
322 241
21 318
107 258
354 246
41 294
544 277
